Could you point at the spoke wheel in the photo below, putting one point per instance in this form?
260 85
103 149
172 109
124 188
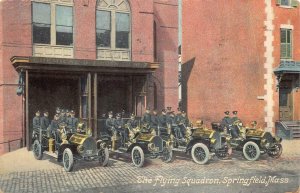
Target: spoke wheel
200 153
137 156
251 151
276 151
103 156
68 160
167 155
37 150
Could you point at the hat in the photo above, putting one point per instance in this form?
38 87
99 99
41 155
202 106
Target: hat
56 115
110 113
148 108
132 115
226 112
183 112
46 112
37 111
169 108
164 111
118 114
63 111
67 111
234 112
72 111
154 110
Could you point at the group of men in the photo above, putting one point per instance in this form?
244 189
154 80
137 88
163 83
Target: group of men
62 117
227 123
150 120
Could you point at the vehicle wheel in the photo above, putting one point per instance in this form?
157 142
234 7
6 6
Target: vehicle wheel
167 155
251 151
68 160
137 156
276 152
37 150
200 153
103 156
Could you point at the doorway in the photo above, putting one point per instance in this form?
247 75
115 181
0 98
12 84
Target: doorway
286 101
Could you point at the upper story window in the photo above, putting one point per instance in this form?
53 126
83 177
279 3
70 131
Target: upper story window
286 48
52 23
113 24
287 3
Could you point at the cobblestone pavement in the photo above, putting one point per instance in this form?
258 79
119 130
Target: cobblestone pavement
181 175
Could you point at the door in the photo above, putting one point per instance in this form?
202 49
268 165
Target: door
285 104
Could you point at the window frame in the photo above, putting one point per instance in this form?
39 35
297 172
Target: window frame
113 31
290 44
53 21
110 24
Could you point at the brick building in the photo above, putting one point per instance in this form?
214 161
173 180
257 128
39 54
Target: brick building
244 56
92 56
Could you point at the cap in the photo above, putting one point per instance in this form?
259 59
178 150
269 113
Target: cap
72 111
46 112
118 114
234 112
169 108
148 108
110 113
132 115
183 112
164 111
226 112
67 111
37 111
63 111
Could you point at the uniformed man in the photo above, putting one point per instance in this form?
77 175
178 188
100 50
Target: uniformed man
62 117
146 119
234 118
72 122
183 122
163 119
226 122
54 127
155 121
68 113
132 122
173 125
36 122
119 126
109 123
45 122
58 110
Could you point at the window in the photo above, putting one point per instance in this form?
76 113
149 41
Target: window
286 44
52 24
41 23
122 30
288 3
64 25
113 24
103 28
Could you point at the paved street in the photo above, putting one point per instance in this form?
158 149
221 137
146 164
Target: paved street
20 172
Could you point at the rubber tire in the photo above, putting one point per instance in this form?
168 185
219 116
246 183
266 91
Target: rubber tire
38 156
170 152
256 148
141 152
68 152
106 156
206 151
279 154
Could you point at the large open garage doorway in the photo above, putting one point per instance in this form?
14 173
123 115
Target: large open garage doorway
48 92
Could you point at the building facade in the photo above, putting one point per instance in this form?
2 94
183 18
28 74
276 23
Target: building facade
86 55
241 56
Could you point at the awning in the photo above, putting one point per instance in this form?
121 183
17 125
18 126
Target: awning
81 65
288 67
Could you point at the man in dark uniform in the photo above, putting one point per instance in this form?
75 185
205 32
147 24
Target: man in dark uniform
146 119
45 122
63 118
234 118
155 121
183 122
162 122
226 122
54 127
119 126
132 122
36 122
72 122
68 113
109 123
173 125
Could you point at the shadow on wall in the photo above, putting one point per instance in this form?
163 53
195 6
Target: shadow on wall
186 70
